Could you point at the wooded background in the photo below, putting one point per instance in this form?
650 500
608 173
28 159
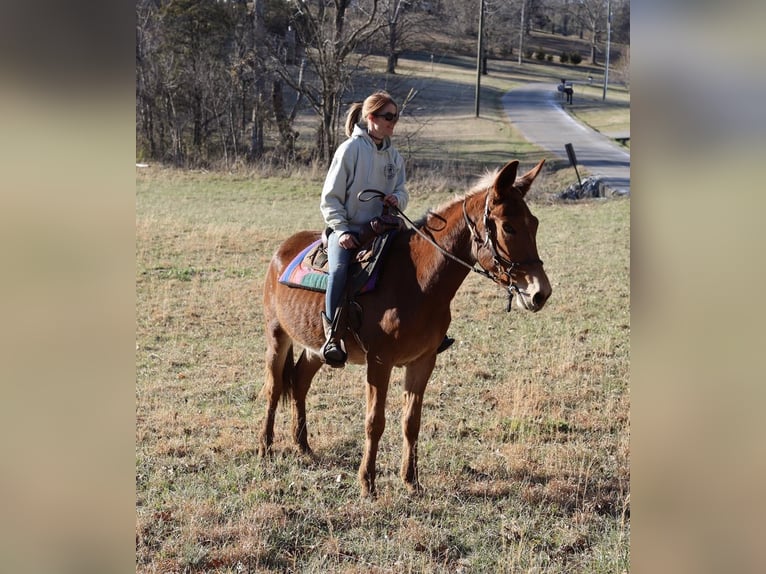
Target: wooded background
221 83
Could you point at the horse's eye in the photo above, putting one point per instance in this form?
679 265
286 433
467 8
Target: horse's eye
508 228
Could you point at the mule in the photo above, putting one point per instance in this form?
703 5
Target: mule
489 230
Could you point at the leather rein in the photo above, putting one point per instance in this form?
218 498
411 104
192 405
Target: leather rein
506 266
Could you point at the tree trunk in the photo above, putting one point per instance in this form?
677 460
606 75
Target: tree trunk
257 145
393 36
286 133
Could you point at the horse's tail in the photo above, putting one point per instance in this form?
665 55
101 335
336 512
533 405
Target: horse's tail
288 376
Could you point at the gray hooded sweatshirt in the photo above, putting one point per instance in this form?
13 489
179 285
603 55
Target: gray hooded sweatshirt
359 165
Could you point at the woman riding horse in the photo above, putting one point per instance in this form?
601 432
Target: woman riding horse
490 230
367 160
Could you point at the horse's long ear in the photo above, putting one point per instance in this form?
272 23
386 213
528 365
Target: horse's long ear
525 181
504 180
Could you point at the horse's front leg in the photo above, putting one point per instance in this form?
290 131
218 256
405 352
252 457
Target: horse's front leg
305 369
375 422
415 381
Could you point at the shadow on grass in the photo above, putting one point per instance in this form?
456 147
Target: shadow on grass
605 497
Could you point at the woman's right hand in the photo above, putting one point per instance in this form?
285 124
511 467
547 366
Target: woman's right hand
348 241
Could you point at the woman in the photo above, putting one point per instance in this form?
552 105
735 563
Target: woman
366 160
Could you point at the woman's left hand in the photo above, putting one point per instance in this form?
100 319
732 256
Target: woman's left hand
391 201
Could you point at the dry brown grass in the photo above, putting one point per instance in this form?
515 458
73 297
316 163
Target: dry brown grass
525 441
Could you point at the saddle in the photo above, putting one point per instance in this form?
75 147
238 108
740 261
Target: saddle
309 270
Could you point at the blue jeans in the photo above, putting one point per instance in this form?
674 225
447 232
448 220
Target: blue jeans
338 260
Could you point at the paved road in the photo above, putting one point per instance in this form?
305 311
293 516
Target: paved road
537 111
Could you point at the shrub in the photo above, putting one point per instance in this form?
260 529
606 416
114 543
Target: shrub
575 58
549 57
540 55
528 53
564 58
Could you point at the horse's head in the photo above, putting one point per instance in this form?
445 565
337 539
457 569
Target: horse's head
509 248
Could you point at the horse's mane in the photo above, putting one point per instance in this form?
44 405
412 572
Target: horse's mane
480 184
483 182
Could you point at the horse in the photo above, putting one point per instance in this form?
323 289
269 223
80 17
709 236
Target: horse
406 317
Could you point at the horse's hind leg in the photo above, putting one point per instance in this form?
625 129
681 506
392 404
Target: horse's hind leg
279 351
305 369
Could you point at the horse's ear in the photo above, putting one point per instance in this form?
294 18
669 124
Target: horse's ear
505 177
525 181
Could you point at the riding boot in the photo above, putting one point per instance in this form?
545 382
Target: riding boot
332 350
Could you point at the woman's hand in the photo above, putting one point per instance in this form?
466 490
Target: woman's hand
391 201
348 241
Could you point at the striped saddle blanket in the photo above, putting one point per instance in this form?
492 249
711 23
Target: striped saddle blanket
308 269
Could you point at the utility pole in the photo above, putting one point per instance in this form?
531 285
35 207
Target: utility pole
608 42
479 53
521 31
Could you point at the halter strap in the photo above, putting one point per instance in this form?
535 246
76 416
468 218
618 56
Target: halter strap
490 243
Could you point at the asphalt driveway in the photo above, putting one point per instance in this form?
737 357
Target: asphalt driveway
536 110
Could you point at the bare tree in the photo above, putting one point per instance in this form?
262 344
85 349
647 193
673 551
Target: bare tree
181 78
592 15
330 31
405 23
461 17
259 85
502 22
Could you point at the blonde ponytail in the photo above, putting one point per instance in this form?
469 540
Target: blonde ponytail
354 114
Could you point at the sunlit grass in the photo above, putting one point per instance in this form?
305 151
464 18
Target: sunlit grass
524 447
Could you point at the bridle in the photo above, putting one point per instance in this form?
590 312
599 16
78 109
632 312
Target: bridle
507 268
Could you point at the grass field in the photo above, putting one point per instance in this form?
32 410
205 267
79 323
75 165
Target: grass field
525 442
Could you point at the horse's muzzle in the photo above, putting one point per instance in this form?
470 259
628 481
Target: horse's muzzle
535 295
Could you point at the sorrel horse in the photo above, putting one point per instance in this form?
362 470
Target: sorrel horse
406 317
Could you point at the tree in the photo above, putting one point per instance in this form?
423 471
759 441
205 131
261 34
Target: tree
182 89
330 33
621 21
405 23
591 14
393 14
461 17
147 144
259 85
501 28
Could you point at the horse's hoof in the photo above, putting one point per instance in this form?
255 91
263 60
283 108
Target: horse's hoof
367 489
414 489
306 451
369 494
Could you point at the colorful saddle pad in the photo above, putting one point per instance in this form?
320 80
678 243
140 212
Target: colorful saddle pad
308 269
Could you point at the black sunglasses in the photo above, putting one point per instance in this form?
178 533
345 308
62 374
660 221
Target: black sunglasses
388 116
